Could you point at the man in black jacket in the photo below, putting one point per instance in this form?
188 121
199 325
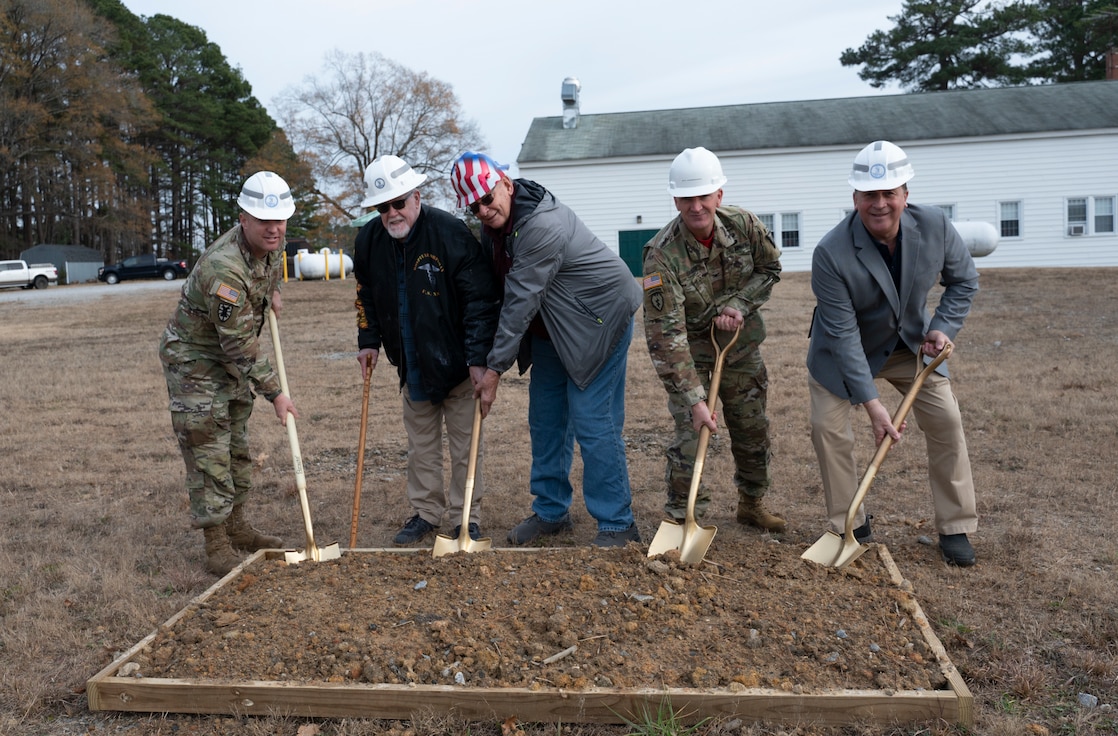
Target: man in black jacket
427 296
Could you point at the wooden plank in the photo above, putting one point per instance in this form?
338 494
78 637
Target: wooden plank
958 685
330 700
107 690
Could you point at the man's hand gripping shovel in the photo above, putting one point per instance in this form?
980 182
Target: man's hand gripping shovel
689 538
312 552
839 550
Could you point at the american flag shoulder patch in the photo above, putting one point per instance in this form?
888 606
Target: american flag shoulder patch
653 280
228 293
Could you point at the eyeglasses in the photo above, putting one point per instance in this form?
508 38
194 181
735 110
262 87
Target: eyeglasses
397 204
485 201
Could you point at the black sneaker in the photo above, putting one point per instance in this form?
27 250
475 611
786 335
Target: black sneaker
864 533
617 538
472 528
414 530
534 527
956 549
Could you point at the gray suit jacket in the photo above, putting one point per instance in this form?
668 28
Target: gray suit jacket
859 314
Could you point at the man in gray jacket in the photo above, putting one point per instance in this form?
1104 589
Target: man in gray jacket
871 276
568 313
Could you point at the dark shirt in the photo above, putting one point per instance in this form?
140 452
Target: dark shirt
407 336
892 260
893 263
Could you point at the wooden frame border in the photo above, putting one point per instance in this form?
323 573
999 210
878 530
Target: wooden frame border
108 690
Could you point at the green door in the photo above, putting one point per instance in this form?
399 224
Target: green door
630 243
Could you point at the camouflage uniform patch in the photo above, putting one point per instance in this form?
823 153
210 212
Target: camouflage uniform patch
655 299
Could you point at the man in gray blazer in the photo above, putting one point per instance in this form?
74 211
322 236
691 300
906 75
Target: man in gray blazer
871 276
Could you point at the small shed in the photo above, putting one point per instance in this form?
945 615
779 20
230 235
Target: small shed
75 263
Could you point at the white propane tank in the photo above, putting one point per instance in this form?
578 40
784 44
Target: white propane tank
313 265
981 237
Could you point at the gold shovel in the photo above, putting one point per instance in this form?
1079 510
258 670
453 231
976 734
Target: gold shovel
689 538
330 551
839 550
445 545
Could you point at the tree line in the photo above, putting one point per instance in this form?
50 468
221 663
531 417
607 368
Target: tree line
954 44
132 134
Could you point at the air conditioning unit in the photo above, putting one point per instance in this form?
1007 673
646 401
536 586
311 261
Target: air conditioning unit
1077 228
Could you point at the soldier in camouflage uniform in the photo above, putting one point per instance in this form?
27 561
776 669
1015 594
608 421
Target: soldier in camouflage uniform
716 265
214 367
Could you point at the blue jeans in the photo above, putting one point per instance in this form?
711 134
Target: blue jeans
560 413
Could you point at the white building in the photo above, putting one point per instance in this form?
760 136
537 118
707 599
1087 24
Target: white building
1038 163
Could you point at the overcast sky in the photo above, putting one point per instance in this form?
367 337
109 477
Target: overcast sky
506 61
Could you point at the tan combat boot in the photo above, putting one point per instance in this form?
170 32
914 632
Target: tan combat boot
752 511
220 557
243 537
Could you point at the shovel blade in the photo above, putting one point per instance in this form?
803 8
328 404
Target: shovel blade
668 537
294 556
445 545
690 539
833 550
696 542
329 552
318 554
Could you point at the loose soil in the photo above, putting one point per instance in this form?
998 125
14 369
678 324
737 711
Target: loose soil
752 616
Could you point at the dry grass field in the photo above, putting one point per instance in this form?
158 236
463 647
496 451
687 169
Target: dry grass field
96 549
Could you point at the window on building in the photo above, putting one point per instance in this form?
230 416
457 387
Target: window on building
1077 216
1009 215
1090 215
784 227
790 230
1104 214
949 210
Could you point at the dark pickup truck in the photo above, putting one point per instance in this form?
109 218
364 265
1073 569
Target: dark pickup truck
143 266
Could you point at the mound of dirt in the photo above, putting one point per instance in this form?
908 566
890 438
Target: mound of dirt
569 618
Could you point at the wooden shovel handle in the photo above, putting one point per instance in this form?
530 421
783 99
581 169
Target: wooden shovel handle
293 440
887 441
360 460
704 432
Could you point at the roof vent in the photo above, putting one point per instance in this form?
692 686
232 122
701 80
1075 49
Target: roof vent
571 87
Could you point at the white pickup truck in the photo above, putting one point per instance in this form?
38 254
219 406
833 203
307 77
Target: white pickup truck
18 273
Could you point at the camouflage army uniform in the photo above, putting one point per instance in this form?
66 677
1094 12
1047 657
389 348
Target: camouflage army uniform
685 288
213 365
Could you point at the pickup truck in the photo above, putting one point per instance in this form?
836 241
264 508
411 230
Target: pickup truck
143 266
18 273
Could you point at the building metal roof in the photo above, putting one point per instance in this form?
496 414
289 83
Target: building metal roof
1000 111
62 253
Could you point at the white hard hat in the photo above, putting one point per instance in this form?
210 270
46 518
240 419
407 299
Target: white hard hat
388 178
880 165
695 172
266 196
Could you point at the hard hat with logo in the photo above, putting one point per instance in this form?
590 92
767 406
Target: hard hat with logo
266 196
694 173
880 165
474 176
388 178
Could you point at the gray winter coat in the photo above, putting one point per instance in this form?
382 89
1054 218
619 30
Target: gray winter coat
584 292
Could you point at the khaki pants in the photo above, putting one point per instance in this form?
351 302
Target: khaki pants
424 422
937 414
